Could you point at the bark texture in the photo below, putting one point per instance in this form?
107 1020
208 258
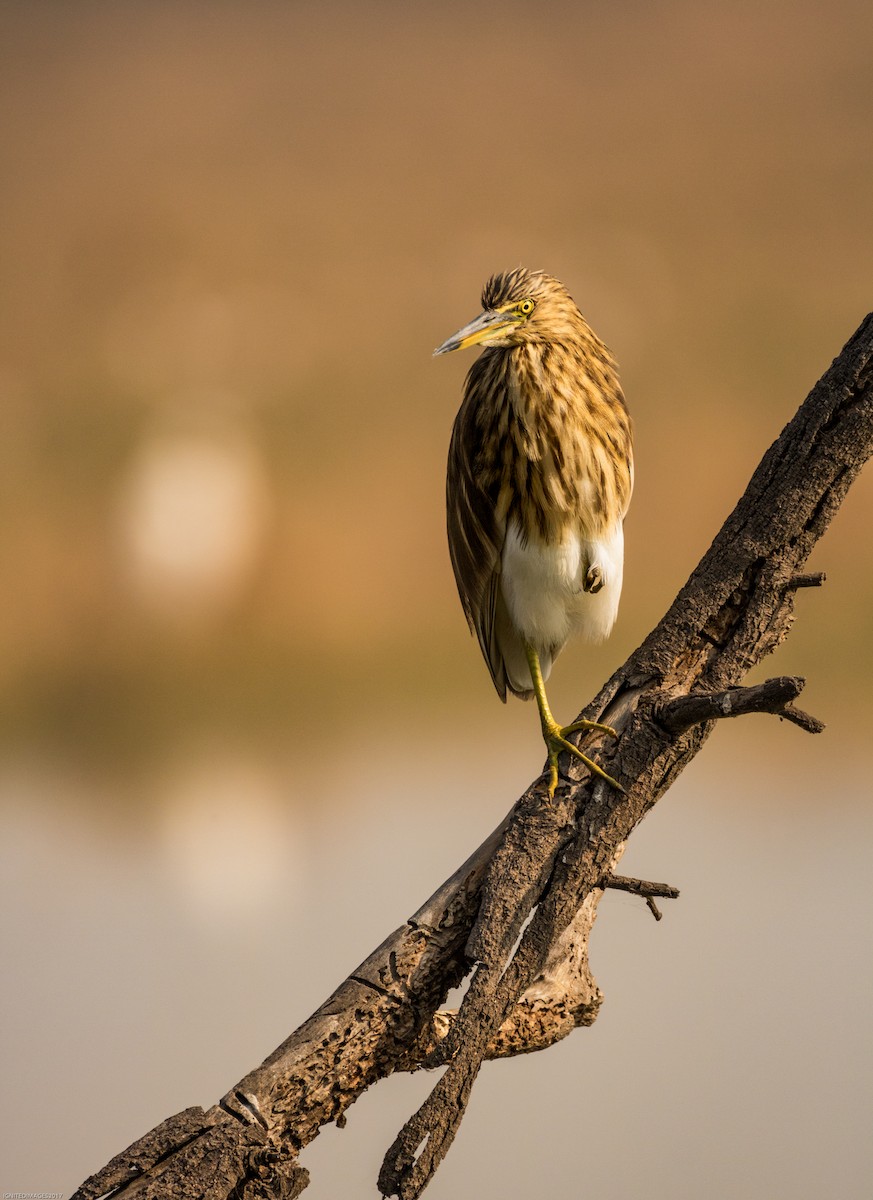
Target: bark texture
518 913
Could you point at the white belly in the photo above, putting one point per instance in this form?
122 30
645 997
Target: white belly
543 592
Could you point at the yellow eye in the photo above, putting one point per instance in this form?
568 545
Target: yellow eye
526 307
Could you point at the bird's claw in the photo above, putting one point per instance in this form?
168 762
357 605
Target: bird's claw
556 742
593 580
595 725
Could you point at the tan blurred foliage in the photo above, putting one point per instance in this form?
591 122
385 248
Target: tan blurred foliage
231 236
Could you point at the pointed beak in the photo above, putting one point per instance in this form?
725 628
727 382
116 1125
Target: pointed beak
487 328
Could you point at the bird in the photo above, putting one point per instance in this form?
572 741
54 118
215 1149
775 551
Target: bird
539 479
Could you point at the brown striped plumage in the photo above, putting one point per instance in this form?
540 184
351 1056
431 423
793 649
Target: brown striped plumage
539 479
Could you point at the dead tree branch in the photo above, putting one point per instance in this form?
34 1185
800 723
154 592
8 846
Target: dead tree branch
520 910
772 696
640 887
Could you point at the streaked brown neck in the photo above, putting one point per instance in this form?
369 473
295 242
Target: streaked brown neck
563 435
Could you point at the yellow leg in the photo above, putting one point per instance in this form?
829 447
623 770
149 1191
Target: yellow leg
555 735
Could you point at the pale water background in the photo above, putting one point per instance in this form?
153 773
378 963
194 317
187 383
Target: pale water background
149 970
243 730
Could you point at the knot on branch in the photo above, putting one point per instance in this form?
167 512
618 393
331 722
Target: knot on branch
771 696
272 1175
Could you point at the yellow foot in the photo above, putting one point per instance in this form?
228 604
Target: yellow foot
555 737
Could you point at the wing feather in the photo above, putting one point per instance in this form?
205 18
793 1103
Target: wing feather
476 534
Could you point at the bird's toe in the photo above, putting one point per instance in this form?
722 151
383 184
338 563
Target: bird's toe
593 579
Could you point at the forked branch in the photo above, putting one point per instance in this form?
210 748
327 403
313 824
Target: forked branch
519 912
772 696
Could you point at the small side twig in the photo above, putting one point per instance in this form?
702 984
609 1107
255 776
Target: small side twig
642 887
812 579
804 719
771 696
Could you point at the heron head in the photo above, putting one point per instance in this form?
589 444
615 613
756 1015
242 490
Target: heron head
516 306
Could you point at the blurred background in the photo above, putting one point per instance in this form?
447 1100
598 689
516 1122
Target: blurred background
244 731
